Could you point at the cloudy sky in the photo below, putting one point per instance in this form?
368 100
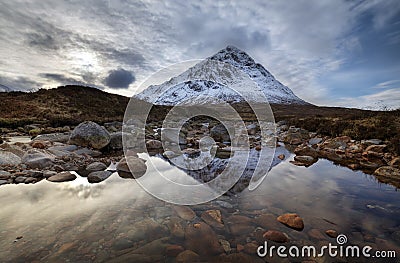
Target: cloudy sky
341 53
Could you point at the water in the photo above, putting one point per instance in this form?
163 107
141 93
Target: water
80 222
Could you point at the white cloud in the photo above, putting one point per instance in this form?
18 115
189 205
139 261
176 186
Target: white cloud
297 41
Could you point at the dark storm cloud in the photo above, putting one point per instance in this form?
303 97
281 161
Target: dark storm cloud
119 78
60 78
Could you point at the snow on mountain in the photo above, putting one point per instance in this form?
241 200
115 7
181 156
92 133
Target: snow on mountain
179 89
4 88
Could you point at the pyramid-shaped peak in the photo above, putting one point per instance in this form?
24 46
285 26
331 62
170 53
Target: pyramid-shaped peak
232 54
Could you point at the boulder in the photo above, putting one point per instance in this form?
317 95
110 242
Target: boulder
115 141
173 135
90 134
137 165
8 158
36 159
99 176
62 177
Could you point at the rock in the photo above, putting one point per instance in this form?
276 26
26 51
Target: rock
34 173
115 141
39 144
4 175
201 239
281 157
331 233
185 212
122 243
371 141
395 162
276 236
368 165
99 176
153 144
239 225
345 139
53 137
292 220
145 230
388 172
295 136
137 165
187 256
314 141
47 174
36 159
90 134
213 218
87 151
173 135
8 158
173 250
307 160
30 180
3 182
219 133
225 245
250 248
376 148
20 179
169 154
316 234
307 151
266 221
252 129
95 167
175 226
62 177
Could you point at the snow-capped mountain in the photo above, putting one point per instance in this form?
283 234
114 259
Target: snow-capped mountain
183 88
4 88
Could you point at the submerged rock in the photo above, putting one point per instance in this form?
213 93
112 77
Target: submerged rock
276 236
201 239
292 220
90 134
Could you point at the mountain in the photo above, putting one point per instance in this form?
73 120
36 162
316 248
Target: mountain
179 89
4 88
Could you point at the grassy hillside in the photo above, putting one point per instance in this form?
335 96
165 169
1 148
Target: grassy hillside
67 105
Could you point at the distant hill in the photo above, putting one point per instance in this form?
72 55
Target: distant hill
66 105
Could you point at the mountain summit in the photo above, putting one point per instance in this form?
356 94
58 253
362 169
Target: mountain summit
178 89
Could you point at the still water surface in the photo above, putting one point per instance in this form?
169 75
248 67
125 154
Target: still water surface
80 222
